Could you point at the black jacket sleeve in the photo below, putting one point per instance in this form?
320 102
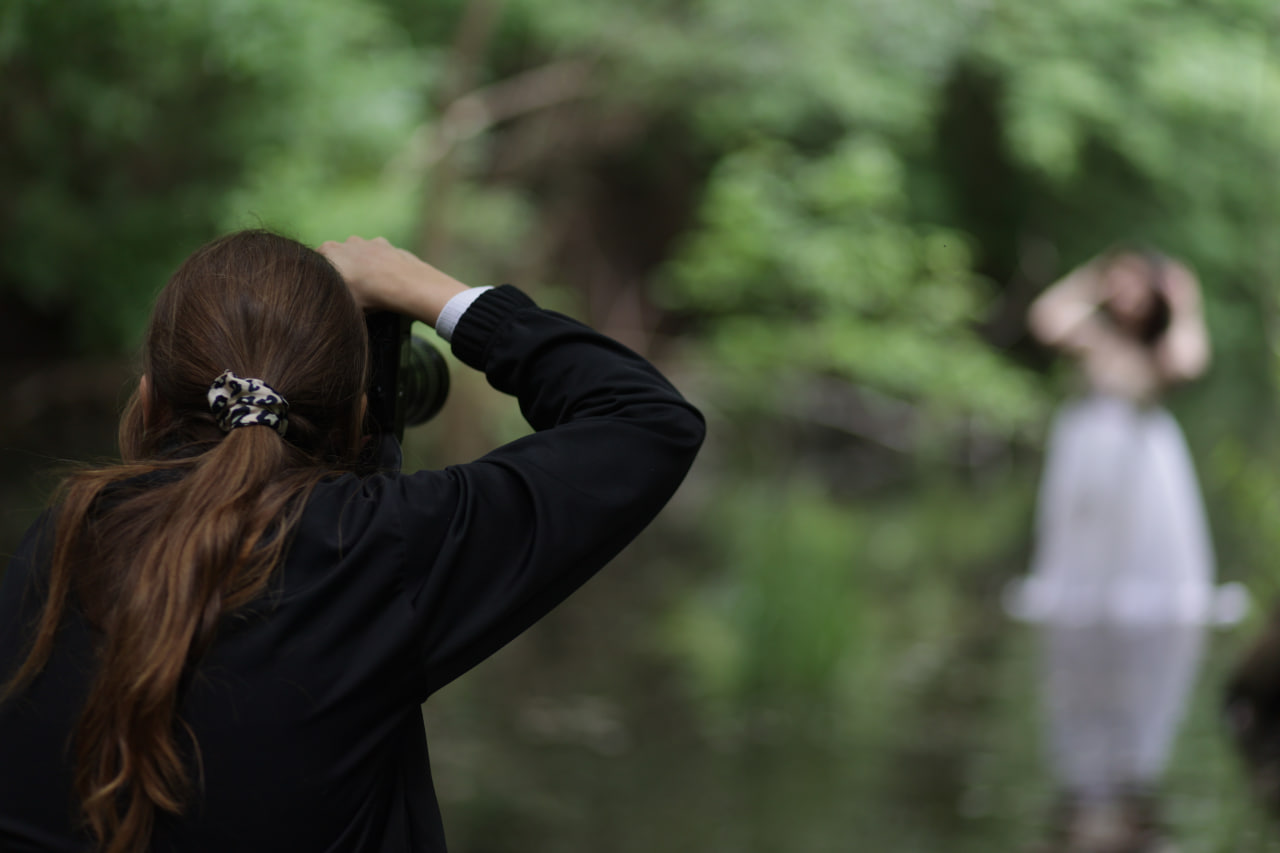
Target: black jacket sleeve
493 545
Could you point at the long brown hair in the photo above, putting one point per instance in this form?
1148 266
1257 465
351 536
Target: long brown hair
154 551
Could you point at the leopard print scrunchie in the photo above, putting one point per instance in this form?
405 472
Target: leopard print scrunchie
236 402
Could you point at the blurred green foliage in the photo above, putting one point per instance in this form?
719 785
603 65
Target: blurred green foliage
132 130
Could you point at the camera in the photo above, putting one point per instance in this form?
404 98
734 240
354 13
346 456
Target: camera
408 384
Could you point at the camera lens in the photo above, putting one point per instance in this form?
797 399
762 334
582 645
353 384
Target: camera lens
424 380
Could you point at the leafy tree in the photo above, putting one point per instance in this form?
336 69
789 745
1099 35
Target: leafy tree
131 131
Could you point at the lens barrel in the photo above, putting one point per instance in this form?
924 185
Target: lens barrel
424 380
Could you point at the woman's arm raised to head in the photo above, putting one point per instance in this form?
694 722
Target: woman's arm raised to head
1065 316
1182 353
530 521
491 546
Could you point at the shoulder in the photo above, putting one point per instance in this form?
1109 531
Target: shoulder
356 529
348 508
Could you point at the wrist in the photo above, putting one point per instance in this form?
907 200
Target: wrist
455 308
485 316
422 291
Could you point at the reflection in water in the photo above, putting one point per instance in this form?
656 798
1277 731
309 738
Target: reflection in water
1114 695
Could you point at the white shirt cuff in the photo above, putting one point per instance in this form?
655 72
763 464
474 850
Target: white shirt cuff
454 309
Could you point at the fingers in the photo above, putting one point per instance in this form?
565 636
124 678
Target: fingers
359 251
383 277
353 240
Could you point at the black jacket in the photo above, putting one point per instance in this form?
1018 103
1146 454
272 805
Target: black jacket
306 707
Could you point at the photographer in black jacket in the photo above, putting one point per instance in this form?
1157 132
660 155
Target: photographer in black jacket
222 644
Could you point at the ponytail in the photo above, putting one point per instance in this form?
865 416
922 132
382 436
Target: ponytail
153 569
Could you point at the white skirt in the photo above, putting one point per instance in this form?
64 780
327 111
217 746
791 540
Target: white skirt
1121 536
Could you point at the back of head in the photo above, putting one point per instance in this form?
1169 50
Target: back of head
1138 301
262 306
155 551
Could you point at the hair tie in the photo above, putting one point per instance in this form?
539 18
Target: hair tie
236 402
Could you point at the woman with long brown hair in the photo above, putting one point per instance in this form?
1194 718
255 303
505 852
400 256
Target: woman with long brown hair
223 642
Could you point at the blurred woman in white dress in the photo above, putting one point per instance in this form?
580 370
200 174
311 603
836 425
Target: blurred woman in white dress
1122 575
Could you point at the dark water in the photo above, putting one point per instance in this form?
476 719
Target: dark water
549 747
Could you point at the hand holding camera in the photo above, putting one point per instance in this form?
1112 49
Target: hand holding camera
384 278
408 378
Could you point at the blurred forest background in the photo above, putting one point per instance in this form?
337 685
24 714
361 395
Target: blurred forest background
826 221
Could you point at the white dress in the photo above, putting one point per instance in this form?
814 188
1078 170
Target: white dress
1122 583
1121 536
